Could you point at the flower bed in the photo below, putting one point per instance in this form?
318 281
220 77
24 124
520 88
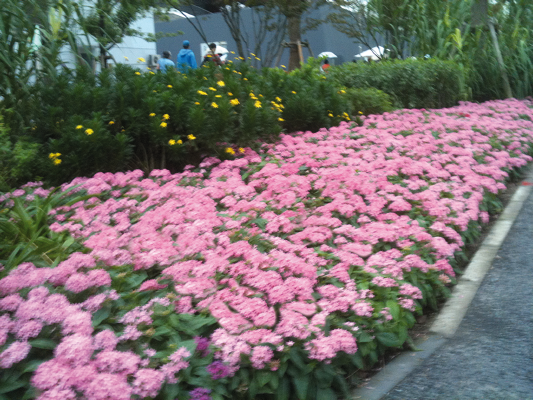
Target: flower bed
267 276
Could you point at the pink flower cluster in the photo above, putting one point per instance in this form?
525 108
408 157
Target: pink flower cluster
275 245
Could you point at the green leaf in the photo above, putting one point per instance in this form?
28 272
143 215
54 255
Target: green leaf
32 365
364 337
263 377
10 386
394 308
48 344
388 339
100 315
357 360
301 384
284 389
325 394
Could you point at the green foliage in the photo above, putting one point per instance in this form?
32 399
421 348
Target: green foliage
26 235
17 159
369 101
410 83
124 119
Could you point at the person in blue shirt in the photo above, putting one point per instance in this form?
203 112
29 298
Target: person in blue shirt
165 62
186 59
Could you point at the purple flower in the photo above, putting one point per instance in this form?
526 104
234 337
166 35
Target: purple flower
218 370
202 345
200 394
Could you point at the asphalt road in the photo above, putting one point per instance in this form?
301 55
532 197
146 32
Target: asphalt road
490 357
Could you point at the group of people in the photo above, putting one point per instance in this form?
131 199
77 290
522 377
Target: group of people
186 59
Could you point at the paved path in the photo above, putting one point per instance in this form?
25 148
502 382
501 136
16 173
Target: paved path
490 356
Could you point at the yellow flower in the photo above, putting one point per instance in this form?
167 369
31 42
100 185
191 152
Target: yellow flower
230 94
111 122
252 54
241 150
197 103
232 52
53 155
172 142
169 86
330 115
342 91
148 68
214 105
152 73
234 102
212 89
227 68
241 58
205 78
257 104
79 127
221 83
229 150
257 58
166 116
283 66
245 79
141 59
278 99
281 119
293 92
163 124
89 131
218 95
126 58
191 137
360 113
179 141
202 93
152 114
155 91
57 161
137 73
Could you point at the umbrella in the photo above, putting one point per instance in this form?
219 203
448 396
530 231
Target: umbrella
380 51
327 54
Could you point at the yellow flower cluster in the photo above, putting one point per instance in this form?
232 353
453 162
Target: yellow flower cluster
191 137
346 116
202 93
257 104
55 158
79 127
163 124
214 105
89 132
111 122
166 116
229 150
152 114
241 150
137 73
141 59
221 83
172 142
234 102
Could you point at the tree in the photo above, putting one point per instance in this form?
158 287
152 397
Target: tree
109 21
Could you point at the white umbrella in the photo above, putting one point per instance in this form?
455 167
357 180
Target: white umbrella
375 53
327 54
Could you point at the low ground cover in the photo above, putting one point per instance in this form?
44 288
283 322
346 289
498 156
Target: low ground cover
270 275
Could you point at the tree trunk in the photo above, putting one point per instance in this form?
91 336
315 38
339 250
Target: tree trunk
295 36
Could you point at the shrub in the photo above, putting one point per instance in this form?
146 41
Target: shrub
124 119
411 83
369 101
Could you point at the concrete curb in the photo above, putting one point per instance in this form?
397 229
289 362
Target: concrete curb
453 312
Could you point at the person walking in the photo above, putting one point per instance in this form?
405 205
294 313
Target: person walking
186 59
165 62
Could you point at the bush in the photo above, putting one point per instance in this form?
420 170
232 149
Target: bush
411 83
123 119
369 101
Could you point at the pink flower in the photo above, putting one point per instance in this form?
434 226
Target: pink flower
147 382
261 355
16 352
